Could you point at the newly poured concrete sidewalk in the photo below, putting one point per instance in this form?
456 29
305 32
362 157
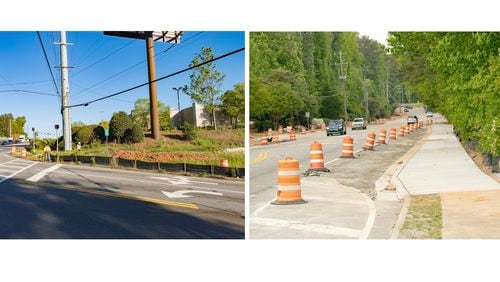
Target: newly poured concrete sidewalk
443 165
469 197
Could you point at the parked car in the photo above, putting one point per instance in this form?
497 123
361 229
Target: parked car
4 142
412 119
336 126
358 123
406 110
429 114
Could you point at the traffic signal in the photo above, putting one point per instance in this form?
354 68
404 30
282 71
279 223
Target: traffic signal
56 126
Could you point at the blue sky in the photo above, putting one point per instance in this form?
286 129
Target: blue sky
22 60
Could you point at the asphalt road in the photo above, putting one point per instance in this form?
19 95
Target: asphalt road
44 200
264 159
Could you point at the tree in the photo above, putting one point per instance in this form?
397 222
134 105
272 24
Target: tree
164 117
206 80
233 103
119 123
16 124
140 114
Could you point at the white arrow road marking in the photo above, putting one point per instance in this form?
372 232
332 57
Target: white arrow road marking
180 193
43 173
179 180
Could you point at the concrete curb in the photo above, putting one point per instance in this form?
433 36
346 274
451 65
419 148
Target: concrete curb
401 218
401 190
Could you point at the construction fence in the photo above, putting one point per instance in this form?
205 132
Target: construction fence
185 168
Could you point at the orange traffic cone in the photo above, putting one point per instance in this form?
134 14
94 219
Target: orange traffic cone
381 136
347 147
263 139
370 141
317 162
289 191
393 134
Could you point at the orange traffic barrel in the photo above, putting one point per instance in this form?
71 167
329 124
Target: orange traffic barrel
276 137
370 141
280 129
312 129
302 130
348 147
317 162
407 130
224 163
293 136
263 139
402 130
288 183
13 149
382 135
23 152
393 134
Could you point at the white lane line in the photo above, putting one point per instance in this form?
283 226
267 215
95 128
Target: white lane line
6 170
17 172
317 228
43 173
370 221
143 181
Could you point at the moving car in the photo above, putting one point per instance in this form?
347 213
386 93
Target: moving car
406 110
429 114
412 119
358 123
336 126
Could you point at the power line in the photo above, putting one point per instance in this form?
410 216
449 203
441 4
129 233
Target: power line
133 66
104 58
27 82
47 61
31 92
158 79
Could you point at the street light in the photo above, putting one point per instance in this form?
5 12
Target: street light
178 104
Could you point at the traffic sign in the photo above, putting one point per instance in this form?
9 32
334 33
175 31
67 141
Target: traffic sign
308 114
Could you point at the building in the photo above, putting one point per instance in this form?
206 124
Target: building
197 116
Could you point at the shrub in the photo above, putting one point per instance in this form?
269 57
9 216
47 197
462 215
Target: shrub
135 134
119 123
190 131
84 134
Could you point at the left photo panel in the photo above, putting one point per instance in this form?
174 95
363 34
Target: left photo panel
122 135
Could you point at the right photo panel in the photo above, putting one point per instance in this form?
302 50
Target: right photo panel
388 135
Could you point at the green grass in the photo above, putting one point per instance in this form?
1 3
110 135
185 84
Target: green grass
424 218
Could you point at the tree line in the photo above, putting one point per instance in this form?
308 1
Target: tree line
456 73
292 73
16 125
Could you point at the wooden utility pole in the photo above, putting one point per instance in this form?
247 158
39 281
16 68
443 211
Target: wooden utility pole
153 97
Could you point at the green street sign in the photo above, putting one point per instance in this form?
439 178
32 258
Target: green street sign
106 132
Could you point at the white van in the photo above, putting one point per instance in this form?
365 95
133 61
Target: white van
21 139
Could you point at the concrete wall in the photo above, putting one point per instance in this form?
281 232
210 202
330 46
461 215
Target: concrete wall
197 116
